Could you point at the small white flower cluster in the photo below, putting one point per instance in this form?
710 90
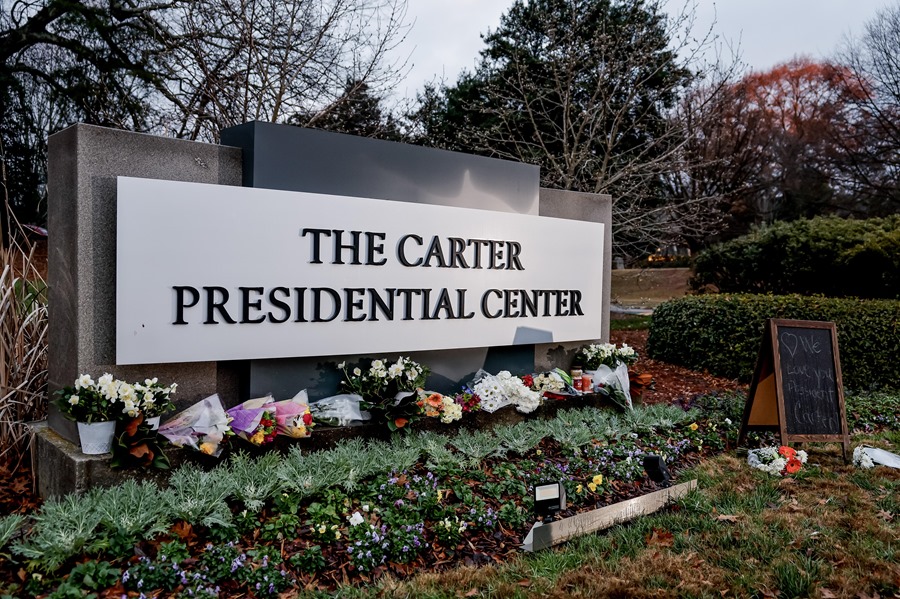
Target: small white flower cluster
134 398
356 519
403 367
549 381
405 374
455 524
504 389
769 459
150 392
450 410
861 459
596 354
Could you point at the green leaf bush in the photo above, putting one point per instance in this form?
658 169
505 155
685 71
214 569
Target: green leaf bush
722 334
825 255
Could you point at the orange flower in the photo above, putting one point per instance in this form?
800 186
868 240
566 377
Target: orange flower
400 422
434 400
787 452
793 465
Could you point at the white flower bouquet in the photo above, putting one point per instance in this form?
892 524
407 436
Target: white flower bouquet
503 389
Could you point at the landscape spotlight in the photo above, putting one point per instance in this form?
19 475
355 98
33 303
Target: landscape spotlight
549 499
656 469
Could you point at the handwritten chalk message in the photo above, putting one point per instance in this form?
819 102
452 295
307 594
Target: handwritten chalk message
811 398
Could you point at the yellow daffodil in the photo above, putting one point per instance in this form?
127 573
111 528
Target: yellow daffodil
579 489
598 480
592 487
693 426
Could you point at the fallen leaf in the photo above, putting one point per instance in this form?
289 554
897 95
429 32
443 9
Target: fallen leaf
727 518
886 516
524 582
661 538
472 593
828 594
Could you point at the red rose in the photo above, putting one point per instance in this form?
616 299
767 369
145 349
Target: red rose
307 419
528 380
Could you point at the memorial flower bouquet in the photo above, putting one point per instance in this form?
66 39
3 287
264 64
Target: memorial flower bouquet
502 389
548 382
435 405
254 420
592 356
293 417
92 401
388 389
777 461
203 427
468 400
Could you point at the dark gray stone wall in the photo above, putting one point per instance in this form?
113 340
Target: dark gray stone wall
84 162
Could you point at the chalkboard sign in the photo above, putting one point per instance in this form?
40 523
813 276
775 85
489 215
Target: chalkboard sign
797 386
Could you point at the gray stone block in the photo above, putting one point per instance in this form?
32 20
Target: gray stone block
84 162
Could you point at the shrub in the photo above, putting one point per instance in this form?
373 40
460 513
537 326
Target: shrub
722 334
829 256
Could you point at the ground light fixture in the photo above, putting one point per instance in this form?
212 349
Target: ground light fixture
549 499
656 469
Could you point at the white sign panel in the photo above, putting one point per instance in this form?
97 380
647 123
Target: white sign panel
208 272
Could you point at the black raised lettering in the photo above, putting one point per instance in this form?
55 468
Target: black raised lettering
180 304
484 303
316 239
247 305
214 305
373 248
279 304
401 250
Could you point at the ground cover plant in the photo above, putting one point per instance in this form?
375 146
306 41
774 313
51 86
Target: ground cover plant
369 518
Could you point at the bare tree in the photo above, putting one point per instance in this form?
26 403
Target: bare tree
871 140
586 89
234 61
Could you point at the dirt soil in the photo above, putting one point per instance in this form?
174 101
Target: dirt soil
670 382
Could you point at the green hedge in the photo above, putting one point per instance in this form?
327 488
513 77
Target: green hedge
722 334
829 256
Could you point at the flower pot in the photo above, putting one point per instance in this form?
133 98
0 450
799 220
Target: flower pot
153 423
96 437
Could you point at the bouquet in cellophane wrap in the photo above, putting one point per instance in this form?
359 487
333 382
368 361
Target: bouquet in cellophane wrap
254 420
293 418
202 427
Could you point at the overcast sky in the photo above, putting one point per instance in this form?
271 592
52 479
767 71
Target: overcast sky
445 38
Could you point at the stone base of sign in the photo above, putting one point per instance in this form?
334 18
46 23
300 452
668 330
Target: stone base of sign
60 467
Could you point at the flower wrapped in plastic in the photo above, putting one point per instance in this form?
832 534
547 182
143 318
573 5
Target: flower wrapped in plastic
777 461
254 420
340 410
503 389
293 418
202 427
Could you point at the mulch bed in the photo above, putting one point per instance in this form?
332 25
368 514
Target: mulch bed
671 382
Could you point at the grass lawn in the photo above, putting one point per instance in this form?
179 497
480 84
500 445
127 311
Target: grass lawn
831 531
